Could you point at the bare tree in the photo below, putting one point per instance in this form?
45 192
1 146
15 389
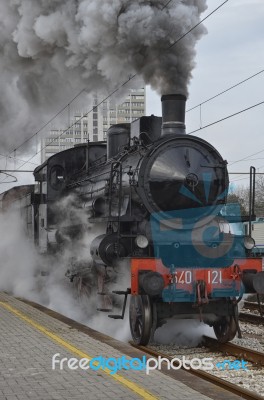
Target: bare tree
240 194
259 204
238 197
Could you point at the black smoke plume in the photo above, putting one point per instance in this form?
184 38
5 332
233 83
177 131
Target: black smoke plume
51 49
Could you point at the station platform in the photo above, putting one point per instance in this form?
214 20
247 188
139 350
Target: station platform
30 336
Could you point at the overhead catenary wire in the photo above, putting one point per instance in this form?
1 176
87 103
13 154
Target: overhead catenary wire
251 159
18 159
244 173
9 175
3 171
78 120
35 135
199 23
262 166
227 117
246 158
166 5
48 122
225 91
241 179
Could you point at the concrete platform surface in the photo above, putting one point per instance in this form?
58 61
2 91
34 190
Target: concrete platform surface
29 338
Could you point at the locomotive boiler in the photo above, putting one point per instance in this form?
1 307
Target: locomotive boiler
149 202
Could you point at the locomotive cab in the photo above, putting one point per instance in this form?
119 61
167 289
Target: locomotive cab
54 178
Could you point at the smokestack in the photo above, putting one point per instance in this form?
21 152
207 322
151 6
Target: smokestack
173 114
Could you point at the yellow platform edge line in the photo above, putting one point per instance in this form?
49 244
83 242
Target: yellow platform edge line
124 381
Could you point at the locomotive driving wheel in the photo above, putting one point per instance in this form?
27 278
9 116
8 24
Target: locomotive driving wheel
140 318
225 329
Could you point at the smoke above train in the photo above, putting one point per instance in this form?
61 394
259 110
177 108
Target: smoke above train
52 49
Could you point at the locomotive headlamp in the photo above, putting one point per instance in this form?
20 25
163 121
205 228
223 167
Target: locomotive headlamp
141 241
249 242
152 283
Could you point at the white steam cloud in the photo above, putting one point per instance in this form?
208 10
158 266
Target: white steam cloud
182 332
20 274
51 49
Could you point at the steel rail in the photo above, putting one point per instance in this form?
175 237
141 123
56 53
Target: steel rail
251 305
231 387
254 319
232 349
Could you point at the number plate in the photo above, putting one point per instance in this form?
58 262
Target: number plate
186 277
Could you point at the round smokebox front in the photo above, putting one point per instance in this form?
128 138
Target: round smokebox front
183 173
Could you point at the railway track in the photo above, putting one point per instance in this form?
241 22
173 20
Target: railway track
253 306
251 317
235 350
213 348
254 319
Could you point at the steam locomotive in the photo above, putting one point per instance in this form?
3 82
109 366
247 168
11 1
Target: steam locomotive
150 202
